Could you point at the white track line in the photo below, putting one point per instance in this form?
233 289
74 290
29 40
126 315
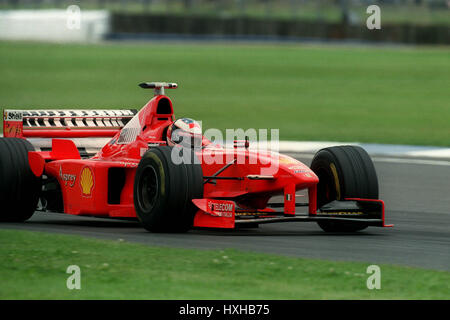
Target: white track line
373 149
387 159
412 161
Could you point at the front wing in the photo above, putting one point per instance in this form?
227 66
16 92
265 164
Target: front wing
214 213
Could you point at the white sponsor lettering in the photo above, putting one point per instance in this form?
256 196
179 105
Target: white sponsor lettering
69 179
13 115
221 209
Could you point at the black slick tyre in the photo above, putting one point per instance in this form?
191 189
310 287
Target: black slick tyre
163 191
19 187
344 172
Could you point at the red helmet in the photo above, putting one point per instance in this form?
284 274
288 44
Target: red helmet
186 132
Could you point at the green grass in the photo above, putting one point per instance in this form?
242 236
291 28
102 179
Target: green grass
365 94
33 266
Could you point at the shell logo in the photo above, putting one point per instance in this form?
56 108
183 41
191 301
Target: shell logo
287 160
86 181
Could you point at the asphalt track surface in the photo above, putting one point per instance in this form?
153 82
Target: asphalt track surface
417 201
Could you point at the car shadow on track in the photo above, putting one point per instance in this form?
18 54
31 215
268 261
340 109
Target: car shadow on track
54 221
277 233
103 223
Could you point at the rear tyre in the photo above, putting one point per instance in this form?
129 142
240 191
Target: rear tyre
344 172
163 191
19 187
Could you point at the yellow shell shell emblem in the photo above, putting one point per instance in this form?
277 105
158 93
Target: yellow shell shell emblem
86 181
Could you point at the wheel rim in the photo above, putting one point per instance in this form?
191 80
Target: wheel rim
148 189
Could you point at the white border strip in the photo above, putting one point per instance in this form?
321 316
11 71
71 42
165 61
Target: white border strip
412 161
372 149
389 160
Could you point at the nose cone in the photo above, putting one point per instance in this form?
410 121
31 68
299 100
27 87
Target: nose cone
305 174
298 170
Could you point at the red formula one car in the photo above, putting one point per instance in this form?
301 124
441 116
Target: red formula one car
166 174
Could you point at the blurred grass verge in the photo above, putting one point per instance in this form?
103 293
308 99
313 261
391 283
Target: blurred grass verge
329 93
34 264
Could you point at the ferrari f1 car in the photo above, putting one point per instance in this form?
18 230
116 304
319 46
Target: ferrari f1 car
49 162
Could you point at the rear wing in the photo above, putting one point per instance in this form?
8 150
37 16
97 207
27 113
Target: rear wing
90 130
64 123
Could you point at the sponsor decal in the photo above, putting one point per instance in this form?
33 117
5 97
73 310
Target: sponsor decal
13 129
86 181
221 209
287 160
68 179
10 115
255 213
300 169
128 164
343 213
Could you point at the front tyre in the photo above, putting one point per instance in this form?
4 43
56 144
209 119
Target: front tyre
19 187
163 191
344 172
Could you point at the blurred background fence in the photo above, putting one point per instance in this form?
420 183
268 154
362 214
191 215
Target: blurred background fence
394 11
407 21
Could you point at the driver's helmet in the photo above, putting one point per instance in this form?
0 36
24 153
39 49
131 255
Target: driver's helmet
186 132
